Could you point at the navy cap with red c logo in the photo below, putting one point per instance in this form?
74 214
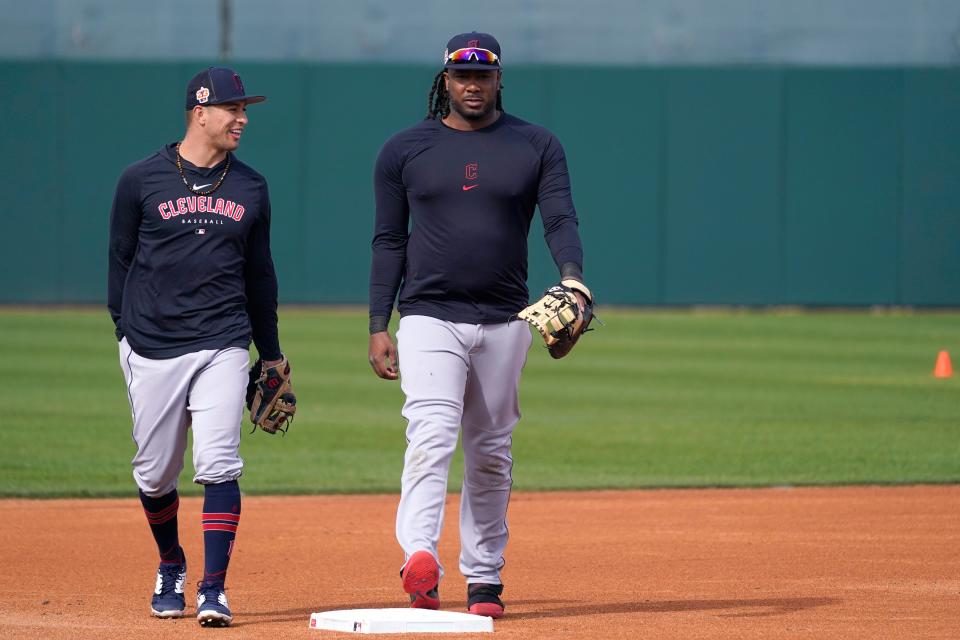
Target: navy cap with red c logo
472 50
217 85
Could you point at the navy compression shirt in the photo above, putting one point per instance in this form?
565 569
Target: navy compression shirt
189 272
453 213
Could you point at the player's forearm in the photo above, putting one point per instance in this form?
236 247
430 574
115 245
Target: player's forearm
379 324
115 282
266 338
571 271
386 274
262 311
390 238
122 250
125 217
561 230
565 247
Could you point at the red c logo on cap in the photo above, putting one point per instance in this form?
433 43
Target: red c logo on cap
236 81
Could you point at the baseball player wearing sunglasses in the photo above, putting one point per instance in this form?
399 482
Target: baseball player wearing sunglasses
455 198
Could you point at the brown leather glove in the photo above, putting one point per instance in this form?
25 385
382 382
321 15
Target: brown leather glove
270 397
558 316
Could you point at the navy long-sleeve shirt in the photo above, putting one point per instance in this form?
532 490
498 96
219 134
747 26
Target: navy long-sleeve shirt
453 211
189 272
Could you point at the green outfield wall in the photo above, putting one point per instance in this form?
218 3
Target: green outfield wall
753 186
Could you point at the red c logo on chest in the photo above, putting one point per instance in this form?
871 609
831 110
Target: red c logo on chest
472 170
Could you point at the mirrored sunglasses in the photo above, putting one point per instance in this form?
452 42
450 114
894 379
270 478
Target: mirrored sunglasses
473 54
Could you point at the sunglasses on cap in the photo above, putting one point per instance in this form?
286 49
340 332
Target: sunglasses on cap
473 54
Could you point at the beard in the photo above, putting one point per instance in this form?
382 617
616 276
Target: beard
472 114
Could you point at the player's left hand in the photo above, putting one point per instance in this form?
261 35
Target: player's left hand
270 396
561 315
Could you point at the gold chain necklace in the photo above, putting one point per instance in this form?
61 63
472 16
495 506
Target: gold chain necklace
197 191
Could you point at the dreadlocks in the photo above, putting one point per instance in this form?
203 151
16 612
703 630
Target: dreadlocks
438 100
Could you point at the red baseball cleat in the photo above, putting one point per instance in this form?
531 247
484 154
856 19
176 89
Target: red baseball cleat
421 577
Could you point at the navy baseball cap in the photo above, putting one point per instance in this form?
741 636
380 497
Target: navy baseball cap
217 85
472 50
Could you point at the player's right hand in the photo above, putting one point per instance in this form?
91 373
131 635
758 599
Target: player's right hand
383 355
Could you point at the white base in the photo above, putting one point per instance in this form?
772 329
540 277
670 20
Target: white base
400 621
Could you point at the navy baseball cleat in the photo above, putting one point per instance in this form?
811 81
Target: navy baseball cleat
421 577
212 608
484 600
168 600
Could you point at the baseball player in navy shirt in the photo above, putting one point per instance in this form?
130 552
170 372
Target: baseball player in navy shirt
191 281
455 197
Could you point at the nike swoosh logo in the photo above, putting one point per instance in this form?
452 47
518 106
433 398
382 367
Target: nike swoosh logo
195 187
472 186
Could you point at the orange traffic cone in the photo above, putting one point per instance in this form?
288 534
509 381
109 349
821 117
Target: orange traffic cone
943 368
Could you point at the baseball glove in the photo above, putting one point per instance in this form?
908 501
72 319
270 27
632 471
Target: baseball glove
558 318
270 397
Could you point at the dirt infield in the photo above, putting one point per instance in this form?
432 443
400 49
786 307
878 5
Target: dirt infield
769 563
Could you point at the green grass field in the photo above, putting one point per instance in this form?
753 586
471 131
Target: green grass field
653 399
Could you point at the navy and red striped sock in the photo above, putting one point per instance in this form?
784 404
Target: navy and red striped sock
162 516
221 515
